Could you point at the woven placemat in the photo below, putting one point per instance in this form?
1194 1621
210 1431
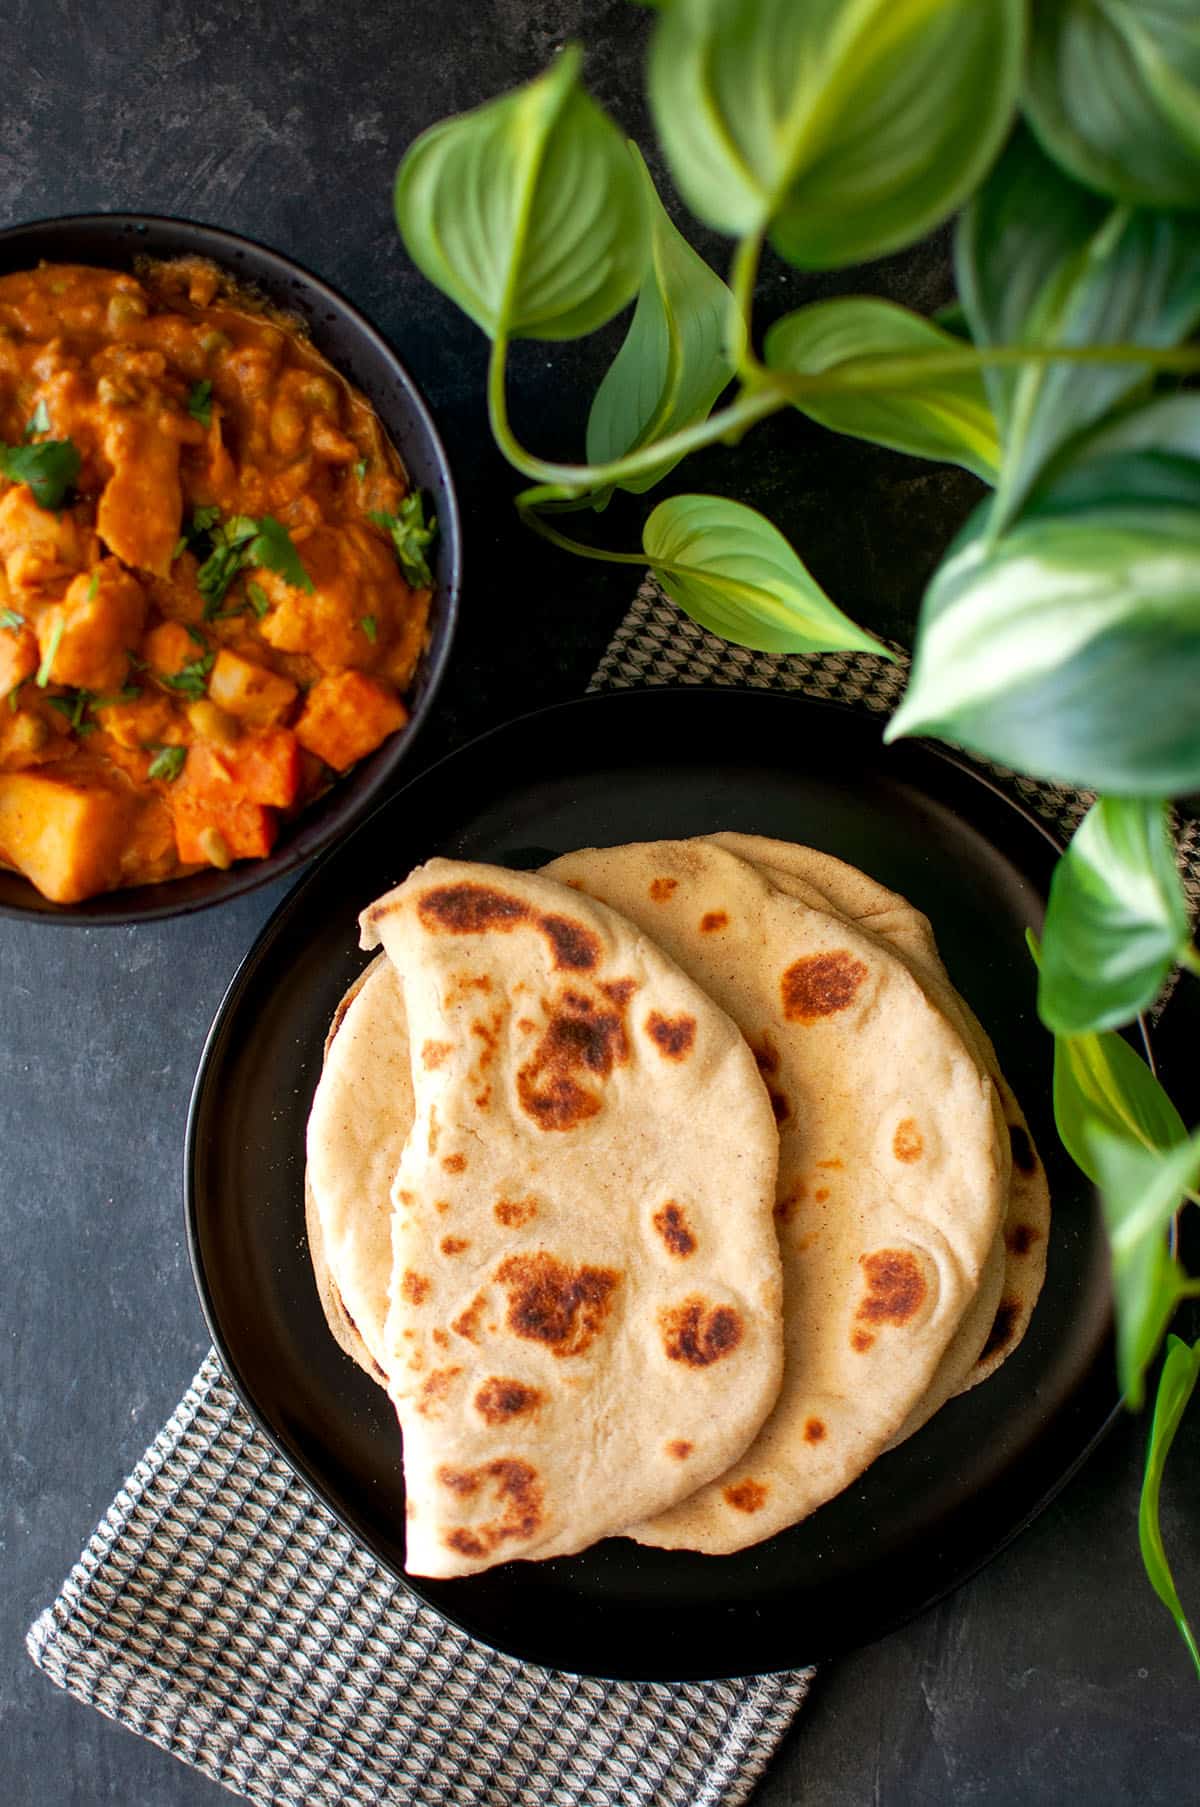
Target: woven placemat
220 1611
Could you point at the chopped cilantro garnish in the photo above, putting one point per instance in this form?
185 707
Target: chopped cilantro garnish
14 697
179 548
258 599
167 763
49 468
360 469
194 634
128 694
39 420
192 678
410 534
369 628
12 619
204 518
75 707
200 402
48 657
93 586
240 544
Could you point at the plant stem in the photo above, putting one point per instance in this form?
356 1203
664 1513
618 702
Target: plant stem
743 277
527 506
577 479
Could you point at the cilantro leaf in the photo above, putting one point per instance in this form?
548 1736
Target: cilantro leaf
49 468
360 469
258 599
273 547
411 534
12 619
93 586
370 628
200 402
75 707
39 421
167 763
191 679
204 518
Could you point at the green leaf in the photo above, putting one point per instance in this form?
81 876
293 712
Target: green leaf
1113 91
39 420
370 627
1117 920
949 419
733 572
273 547
49 468
528 211
1176 1384
51 653
1141 1189
12 619
1043 262
200 402
674 361
843 128
167 763
1071 648
1099 1080
257 598
411 535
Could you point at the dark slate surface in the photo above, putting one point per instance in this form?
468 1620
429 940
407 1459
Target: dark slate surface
1052 1677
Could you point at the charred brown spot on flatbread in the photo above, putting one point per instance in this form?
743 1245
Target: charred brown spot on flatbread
896 1287
434 1053
513 1212
673 1036
454 1245
680 1448
414 1287
552 1303
488 1034
814 1430
619 991
908 1144
1023 1152
746 1496
574 946
670 1220
466 1324
434 1389
821 985
862 1340
821 1194
582 1039
518 1492
1021 1238
698 1333
440 1338
471 909
499 1400
766 1056
454 1163
661 889
713 920
834 1164
1003 1329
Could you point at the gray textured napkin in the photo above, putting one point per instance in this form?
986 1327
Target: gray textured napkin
220 1611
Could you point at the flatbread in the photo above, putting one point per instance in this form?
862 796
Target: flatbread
1000 1314
361 1114
585 1313
892 1178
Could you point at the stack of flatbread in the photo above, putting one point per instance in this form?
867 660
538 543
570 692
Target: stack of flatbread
663 1190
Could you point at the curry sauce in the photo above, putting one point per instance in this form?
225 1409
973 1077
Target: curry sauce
213 584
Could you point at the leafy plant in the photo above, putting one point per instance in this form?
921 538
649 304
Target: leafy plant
1068 134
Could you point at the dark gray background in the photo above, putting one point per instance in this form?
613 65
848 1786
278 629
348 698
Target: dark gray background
1054 1676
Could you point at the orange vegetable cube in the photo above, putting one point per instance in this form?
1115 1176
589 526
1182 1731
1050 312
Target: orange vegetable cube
169 647
250 691
215 834
258 768
66 835
18 657
94 629
346 716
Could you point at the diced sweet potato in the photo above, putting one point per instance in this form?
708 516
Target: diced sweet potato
168 648
258 768
141 722
346 716
65 835
250 691
214 834
101 618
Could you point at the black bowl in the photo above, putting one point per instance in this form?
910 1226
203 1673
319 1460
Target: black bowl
352 345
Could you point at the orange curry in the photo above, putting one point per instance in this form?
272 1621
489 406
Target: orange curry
213 583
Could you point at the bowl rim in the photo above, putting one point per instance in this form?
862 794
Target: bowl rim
253 875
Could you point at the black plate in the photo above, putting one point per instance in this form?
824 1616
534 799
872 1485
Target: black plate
625 767
353 346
